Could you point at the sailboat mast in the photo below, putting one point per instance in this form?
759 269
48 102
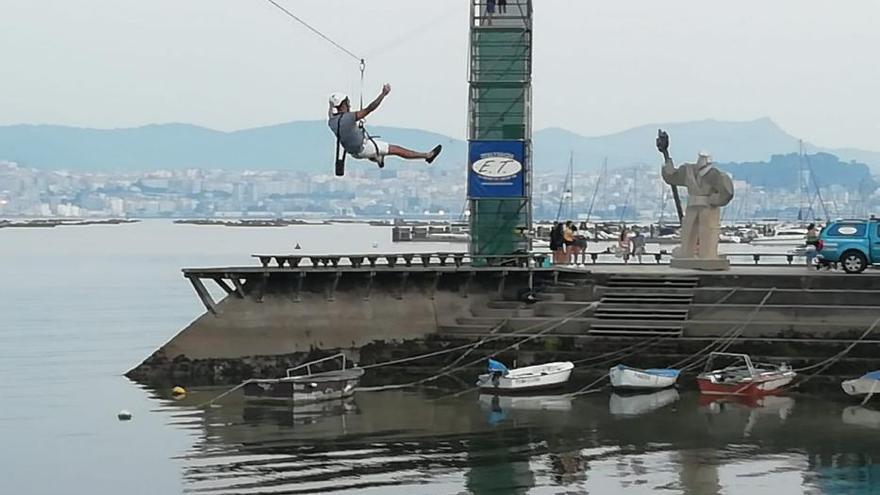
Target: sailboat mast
571 185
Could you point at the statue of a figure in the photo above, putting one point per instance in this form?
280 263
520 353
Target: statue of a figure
708 190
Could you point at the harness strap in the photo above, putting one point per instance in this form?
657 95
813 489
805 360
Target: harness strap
379 158
340 161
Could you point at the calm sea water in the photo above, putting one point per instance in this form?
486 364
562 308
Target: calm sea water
79 306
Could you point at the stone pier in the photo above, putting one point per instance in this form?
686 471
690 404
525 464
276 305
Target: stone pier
288 309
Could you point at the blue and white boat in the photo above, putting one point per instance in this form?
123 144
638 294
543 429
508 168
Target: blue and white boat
500 379
867 384
624 377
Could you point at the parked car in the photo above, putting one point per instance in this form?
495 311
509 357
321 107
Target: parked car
854 244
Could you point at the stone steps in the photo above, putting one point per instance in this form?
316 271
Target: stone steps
641 314
602 290
643 305
635 281
653 298
636 327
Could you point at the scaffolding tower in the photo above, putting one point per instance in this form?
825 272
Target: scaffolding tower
500 127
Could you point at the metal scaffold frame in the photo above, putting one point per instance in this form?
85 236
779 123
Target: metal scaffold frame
500 110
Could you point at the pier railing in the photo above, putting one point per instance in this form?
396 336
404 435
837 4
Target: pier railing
459 259
405 259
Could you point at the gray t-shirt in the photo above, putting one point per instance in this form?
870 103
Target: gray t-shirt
351 136
638 241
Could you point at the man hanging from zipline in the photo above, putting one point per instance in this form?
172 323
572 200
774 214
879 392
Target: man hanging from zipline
353 138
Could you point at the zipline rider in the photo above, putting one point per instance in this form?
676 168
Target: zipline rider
351 135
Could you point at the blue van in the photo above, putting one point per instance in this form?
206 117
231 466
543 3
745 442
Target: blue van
855 244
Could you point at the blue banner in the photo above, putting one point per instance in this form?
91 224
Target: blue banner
496 169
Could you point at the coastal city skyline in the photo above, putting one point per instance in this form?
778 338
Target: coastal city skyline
617 195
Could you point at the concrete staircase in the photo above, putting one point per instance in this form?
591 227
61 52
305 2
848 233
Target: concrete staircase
550 305
649 305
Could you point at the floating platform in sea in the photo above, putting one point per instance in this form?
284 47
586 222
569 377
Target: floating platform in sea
285 308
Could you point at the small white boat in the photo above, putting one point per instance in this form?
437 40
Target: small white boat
500 379
638 379
635 405
867 384
782 237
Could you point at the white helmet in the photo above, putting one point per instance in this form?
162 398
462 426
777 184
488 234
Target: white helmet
337 99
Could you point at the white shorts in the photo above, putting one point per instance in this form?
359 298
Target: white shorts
371 151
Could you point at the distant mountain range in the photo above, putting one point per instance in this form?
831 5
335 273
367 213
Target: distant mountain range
784 171
308 146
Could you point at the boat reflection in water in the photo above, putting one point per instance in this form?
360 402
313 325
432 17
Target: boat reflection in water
861 416
747 411
500 407
292 415
638 404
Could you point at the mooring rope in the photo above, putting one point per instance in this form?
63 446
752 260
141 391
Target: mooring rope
224 394
871 393
444 371
825 364
723 342
472 346
480 359
437 376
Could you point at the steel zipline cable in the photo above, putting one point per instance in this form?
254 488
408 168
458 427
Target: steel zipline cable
315 30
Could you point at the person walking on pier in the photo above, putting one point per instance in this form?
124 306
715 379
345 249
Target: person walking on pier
576 248
556 245
812 244
568 240
638 245
623 245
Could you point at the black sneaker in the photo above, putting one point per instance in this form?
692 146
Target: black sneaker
434 153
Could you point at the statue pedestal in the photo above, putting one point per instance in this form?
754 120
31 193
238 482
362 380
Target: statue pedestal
709 264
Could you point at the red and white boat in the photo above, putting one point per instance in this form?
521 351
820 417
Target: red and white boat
742 378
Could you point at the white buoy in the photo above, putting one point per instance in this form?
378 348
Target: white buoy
123 415
375 245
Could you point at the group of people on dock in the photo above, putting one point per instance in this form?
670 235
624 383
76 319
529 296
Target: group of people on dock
567 244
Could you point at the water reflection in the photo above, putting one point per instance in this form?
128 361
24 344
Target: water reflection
409 442
638 404
861 416
745 411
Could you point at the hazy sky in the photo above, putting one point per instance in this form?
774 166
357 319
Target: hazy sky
600 66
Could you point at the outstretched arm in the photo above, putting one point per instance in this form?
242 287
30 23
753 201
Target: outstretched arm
362 114
673 176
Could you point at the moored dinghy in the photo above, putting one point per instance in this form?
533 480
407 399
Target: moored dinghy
743 378
624 377
500 379
868 384
308 387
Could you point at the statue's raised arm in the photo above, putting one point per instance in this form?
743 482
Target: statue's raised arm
671 175
663 143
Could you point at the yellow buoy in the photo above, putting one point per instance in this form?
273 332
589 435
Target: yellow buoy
178 391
